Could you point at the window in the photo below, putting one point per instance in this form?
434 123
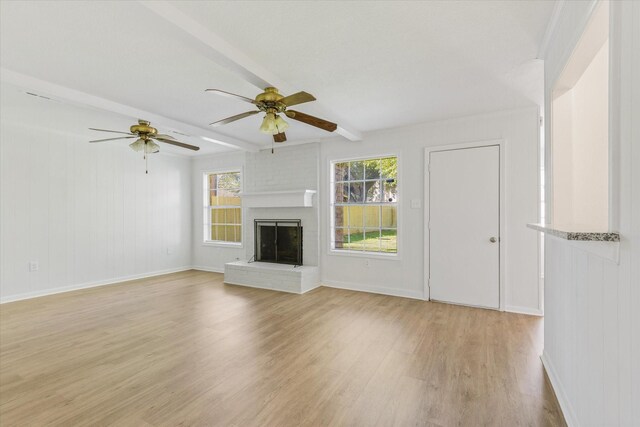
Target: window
223 213
364 205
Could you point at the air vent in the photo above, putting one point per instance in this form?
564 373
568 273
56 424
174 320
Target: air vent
39 96
179 133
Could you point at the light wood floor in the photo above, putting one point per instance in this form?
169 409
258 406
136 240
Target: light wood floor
185 349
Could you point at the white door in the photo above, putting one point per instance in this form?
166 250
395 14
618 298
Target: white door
464 225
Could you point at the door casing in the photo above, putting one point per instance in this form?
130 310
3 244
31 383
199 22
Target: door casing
503 235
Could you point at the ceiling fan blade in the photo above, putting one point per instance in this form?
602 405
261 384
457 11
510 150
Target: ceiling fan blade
297 98
231 95
163 136
311 120
177 143
279 137
113 139
234 118
112 131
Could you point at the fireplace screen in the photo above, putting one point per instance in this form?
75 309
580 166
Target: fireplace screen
278 241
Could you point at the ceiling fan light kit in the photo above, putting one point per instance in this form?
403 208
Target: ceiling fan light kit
281 125
151 147
273 124
137 145
148 146
268 124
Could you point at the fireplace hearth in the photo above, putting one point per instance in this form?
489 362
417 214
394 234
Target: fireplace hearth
278 241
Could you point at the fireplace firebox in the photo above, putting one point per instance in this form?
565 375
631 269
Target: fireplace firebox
278 241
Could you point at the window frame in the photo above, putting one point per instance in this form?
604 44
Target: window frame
207 207
331 220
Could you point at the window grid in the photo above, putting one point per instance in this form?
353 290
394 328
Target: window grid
364 205
222 210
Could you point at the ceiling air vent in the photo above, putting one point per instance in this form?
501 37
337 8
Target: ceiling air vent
39 96
179 133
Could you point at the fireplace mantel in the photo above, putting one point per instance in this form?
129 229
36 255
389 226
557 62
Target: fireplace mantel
279 199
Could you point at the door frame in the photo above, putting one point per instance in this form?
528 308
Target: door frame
501 144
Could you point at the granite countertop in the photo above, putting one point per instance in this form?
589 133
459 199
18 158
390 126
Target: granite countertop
577 233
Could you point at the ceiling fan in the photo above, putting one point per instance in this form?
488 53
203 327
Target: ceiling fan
147 137
273 103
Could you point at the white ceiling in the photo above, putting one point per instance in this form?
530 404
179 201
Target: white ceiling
371 65
22 110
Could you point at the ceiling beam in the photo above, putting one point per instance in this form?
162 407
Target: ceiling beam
550 29
83 99
226 55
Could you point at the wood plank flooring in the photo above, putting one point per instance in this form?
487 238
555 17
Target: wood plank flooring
185 349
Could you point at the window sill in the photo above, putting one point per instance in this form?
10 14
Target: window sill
359 254
223 244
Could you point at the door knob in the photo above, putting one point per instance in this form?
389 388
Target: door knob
493 240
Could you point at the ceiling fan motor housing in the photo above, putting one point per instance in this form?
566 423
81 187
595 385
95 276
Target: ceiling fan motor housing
269 101
270 94
143 128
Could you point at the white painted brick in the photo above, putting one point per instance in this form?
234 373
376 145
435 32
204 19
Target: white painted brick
272 276
290 168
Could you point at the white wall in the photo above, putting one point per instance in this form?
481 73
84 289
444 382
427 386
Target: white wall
563 182
296 167
87 212
590 144
211 257
405 276
580 146
289 168
592 316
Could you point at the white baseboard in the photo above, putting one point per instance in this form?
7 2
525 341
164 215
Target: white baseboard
209 269
45 292
565 405
310 288
524 310
405 293
266 288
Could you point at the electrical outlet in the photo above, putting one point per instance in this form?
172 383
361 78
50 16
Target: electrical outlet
33 266
366 263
